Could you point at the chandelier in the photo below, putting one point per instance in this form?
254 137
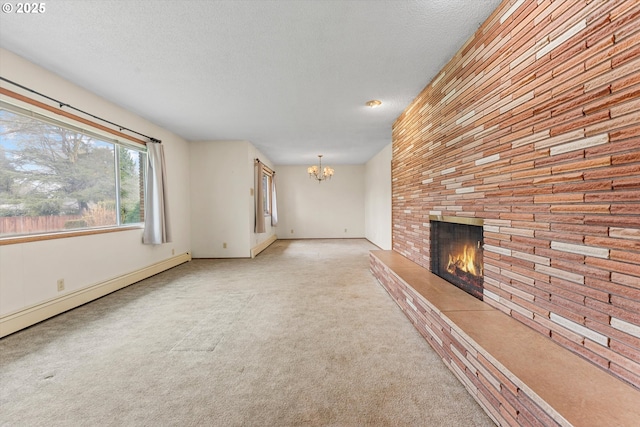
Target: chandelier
318 172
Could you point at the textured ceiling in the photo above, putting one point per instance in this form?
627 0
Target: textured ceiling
292 77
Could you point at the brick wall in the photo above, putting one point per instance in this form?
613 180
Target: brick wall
534 125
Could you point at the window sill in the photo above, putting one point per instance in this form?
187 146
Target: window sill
12 240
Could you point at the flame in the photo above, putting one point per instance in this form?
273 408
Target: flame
464 261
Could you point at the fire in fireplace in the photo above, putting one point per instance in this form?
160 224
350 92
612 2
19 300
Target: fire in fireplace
456 252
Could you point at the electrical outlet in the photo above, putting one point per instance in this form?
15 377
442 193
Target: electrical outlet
345 230
60 285
224 245
292 231
173 251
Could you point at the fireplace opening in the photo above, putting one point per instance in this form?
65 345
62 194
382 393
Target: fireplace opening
456 252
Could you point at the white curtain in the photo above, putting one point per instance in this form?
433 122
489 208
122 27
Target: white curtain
274 202
259 199
156 205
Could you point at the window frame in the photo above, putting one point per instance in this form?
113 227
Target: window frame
267 191
24 105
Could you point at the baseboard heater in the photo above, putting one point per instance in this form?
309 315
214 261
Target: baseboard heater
262 246
24 318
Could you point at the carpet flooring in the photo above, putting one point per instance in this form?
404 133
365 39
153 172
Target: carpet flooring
302 335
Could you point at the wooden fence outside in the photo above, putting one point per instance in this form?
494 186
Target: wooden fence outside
37 224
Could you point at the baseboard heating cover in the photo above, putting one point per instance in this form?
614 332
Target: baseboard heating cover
24 318
262 246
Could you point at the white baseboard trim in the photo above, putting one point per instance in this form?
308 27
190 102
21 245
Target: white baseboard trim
262 246
37 313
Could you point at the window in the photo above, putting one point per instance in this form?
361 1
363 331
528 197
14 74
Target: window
55 177
266 192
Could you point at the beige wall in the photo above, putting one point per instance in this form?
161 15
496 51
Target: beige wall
222 208
218 192
377 209
29 271
320 210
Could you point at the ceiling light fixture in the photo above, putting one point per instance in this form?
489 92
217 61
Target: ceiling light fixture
373 103
318 173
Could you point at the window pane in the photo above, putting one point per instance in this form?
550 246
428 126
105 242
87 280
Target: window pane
131 163
53 178
266 192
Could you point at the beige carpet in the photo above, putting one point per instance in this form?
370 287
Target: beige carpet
302 335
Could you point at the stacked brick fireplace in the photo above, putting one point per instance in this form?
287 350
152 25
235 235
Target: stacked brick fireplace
534 127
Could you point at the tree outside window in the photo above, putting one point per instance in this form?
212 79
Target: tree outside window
54 177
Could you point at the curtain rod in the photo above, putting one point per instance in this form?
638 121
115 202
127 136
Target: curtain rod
265 166
63 104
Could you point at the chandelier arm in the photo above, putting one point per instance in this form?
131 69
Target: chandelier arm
318 172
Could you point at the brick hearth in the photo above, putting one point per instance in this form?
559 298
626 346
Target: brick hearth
492 354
